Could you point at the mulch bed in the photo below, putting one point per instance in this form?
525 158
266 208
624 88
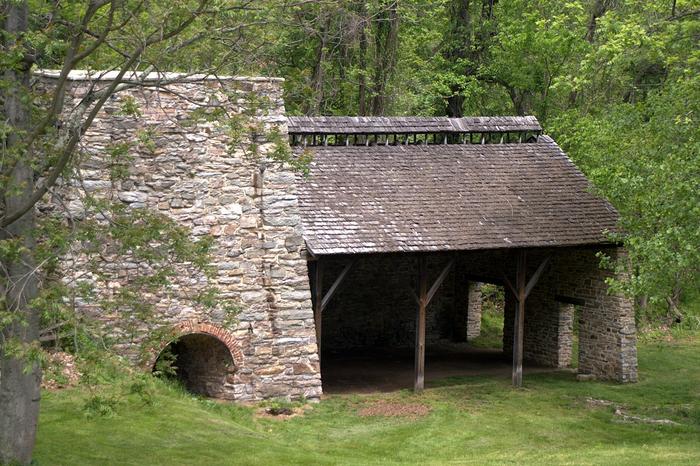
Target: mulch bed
394 409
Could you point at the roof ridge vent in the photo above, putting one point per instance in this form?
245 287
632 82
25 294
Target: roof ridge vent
354 131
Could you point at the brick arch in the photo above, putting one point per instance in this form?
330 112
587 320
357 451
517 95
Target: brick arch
189 327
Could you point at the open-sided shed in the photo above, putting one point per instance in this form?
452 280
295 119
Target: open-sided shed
403 212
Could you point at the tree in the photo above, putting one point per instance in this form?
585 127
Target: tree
339 57
634 131
40 138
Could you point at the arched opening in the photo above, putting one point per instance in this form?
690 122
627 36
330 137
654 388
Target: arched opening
201 362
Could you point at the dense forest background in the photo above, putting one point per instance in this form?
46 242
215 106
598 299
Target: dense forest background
615 82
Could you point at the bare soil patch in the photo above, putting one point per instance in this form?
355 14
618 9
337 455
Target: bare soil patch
394 409
283 412
60 372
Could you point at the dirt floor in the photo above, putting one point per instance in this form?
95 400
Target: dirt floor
386 370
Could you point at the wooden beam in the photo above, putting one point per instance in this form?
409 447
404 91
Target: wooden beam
570 300
439 280
519 322
419 368
509 284
536 276
334 287
318 300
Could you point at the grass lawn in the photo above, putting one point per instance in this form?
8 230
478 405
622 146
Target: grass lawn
472 420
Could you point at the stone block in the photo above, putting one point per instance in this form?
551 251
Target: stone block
132 196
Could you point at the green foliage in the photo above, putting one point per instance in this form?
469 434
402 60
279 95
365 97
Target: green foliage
130 107
492 307
119 159
144 388
652 179
165 365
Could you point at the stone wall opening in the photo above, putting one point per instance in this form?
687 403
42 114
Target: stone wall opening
201 363
491 316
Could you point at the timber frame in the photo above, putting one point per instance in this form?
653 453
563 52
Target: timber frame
319 299
521 291
423 294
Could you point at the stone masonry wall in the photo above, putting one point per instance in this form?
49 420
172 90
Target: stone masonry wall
374 307
247 204
607 330
474 310
607 333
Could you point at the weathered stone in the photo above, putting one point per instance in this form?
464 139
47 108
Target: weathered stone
249 221
474 310
293 242
304 368
232 209
271 370
133 196
607 335
192 178
96 185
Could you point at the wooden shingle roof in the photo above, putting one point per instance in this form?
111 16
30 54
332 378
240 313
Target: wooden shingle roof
380 198
400 125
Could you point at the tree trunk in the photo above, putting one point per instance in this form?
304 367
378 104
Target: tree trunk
318 77
386 45
362 91
521 101
674 302
19 378
598 9
455 104
642 301
458 45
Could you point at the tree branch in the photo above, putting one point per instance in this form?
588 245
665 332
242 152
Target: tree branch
75 131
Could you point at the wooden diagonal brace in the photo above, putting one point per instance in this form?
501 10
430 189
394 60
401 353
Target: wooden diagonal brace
508 283
536 276
334 287
531 283
439 280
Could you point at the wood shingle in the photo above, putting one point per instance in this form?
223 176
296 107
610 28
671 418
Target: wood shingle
448 197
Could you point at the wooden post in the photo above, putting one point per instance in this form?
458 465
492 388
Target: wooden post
419 380
318 304
519 322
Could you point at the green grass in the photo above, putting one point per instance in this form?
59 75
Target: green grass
474 420
491 335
